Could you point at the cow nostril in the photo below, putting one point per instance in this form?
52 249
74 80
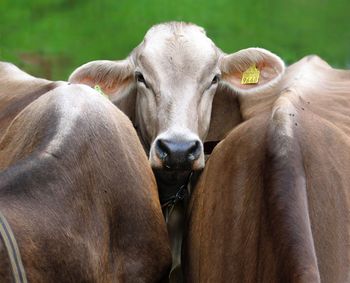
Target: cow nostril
194 151
162 149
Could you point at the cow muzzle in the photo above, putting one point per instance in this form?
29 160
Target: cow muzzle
181 155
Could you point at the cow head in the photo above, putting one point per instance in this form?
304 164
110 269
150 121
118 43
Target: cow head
167 86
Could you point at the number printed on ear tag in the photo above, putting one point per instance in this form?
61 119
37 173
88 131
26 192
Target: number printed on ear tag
250 76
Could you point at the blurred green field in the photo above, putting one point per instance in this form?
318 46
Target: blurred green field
50 38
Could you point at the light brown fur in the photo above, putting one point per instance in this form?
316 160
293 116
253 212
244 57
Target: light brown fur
273 202
18 89
79 194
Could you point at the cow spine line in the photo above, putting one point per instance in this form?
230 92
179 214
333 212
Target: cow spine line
286 198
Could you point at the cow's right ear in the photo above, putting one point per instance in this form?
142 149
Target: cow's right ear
115 78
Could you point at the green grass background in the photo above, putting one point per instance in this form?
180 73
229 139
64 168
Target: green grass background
50 38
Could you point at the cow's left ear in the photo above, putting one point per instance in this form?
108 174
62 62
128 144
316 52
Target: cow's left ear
115 78
225 109
251 70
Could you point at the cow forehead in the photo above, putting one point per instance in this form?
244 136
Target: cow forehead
178 48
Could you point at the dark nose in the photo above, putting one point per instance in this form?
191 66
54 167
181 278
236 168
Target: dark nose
178 155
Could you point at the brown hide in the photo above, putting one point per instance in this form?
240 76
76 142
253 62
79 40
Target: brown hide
17 90
272 204
79 193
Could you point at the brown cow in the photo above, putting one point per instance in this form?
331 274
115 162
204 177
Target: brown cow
273 202
79 193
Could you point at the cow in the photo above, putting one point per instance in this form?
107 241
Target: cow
79 194
273 202
176 87
19 89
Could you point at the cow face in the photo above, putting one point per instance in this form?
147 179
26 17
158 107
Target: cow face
176 75
167 86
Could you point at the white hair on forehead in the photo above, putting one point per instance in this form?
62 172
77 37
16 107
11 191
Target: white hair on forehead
175 28
186 41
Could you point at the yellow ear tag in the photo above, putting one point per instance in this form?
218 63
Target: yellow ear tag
98 89
250 76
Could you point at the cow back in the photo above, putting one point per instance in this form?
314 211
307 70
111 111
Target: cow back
78 191
272 204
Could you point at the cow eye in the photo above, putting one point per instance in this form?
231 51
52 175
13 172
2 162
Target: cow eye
215 79
139 78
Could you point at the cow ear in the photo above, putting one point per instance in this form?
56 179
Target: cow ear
115 78
267 68
225 109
